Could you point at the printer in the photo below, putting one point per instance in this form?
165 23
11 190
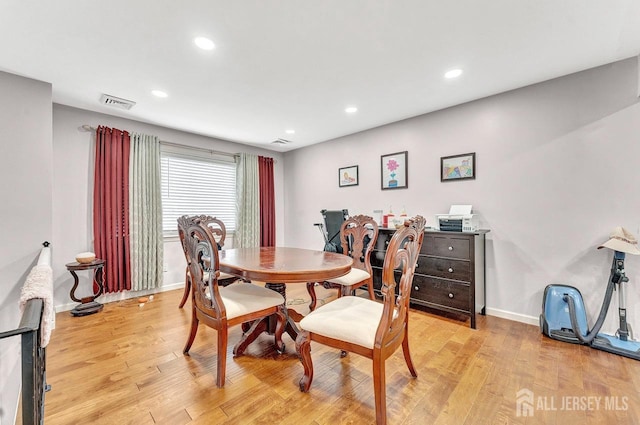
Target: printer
459 219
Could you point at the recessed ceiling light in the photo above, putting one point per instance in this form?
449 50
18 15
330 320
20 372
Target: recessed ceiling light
159 93
290 131
454 73
351 110
204 43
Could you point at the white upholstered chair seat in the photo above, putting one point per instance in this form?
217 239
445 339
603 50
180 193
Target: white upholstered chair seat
244 298
363 316
354 276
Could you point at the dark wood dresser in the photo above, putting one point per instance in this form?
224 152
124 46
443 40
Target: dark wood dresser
450 273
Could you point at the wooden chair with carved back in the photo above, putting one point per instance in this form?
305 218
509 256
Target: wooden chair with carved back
219 232
370 328
222 307
358 235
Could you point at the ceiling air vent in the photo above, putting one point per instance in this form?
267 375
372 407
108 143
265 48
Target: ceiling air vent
116 102
280 142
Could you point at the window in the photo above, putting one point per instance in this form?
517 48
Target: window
196 183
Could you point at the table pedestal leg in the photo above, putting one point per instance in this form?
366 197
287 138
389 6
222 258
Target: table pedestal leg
87 305
268 324
257 327
87 308
290 326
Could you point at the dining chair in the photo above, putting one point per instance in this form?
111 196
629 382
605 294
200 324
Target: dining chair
358 235
370 328
219 232
222 307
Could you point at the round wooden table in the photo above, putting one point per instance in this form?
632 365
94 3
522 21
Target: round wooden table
277 266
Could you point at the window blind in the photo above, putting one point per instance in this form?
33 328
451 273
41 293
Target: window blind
193 185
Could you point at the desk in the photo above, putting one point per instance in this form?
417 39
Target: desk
278 266
87 305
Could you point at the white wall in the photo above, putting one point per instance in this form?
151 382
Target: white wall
557 169
25 211
73 156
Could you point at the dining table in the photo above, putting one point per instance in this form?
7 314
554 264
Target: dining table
279 266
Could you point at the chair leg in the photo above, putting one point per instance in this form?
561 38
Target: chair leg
187 288
303 348
311 289
281 320
407 354
193 332
223 334
379 389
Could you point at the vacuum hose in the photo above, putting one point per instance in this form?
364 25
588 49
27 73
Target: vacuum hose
617 272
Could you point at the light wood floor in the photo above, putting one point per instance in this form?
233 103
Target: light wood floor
125 366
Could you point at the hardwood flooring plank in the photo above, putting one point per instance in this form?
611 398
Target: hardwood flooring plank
209 417
465 393
125 365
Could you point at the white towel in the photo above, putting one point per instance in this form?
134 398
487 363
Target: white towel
39 284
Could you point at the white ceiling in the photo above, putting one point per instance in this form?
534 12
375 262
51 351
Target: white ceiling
297 64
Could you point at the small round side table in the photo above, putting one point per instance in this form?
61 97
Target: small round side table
88 305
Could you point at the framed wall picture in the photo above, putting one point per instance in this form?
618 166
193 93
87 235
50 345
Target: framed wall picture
348 176
393 171
458 167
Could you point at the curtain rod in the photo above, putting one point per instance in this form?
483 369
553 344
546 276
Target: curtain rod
211 151
87 128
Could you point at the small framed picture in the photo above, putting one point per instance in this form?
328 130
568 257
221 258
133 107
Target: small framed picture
348 176
393 171
458 167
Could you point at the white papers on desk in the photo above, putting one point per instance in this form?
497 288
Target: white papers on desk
460 210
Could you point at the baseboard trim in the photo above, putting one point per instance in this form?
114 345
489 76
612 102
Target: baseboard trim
120 296
108 298
516 317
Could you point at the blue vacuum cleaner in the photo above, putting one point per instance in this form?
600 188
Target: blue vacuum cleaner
564 315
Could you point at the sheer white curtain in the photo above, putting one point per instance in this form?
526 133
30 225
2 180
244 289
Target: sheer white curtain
248 202
145 212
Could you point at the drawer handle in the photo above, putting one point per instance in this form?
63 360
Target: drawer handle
417 288
450 248
450 295
450 269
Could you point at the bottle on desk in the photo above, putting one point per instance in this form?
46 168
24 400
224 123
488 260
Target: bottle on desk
403 215
390 218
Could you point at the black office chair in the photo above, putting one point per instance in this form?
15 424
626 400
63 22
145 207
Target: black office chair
330 228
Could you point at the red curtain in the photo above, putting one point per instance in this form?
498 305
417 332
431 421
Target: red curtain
111 207
267 202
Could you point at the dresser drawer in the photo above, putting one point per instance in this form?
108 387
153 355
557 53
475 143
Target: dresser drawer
447 246
449 272
440 292
444 267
